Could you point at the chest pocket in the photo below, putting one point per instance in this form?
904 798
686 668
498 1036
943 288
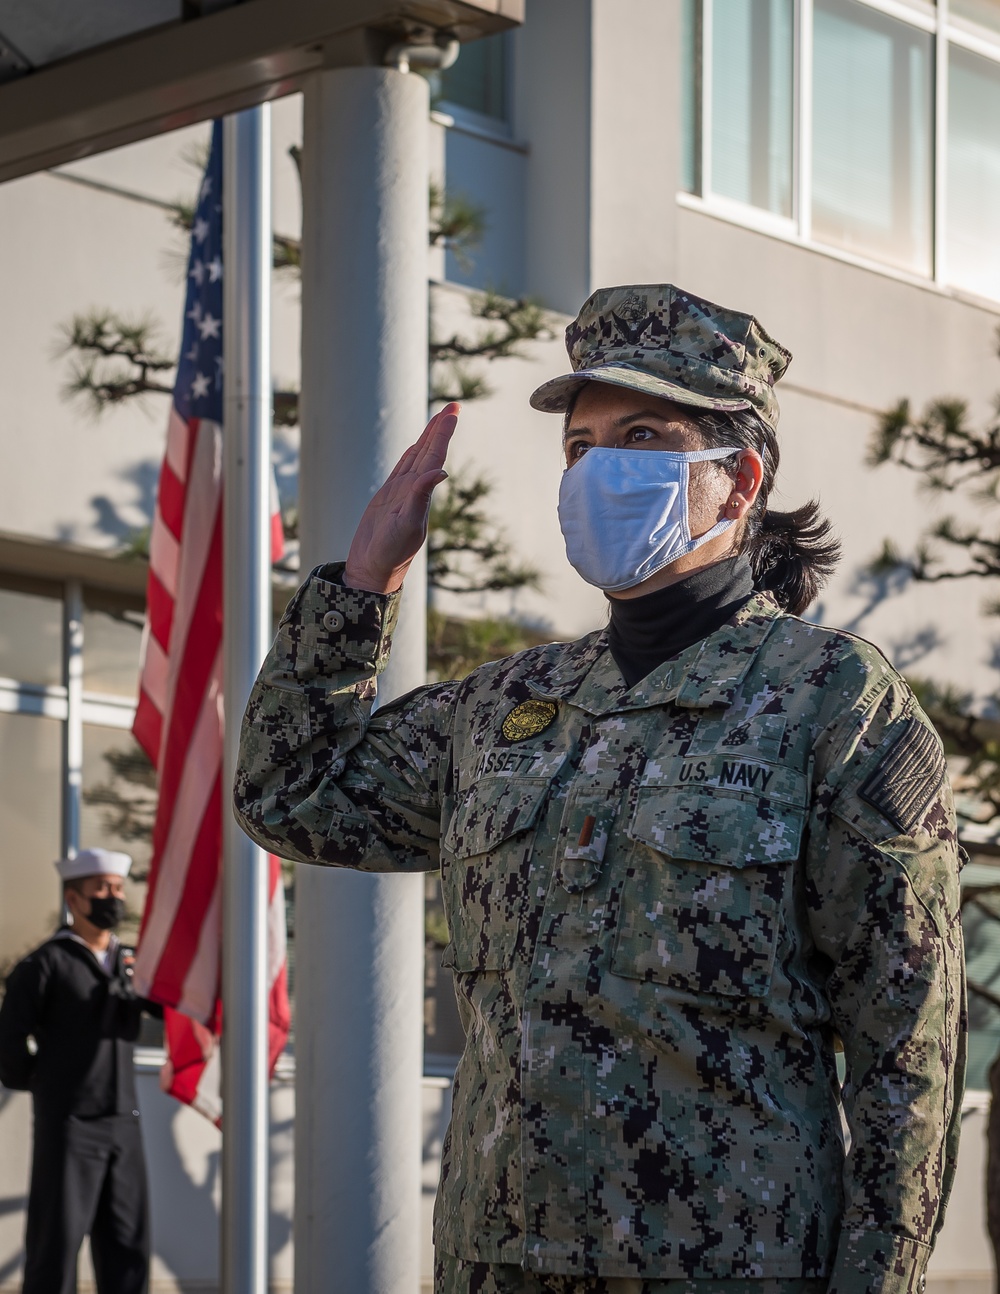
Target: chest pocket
488 871
701 901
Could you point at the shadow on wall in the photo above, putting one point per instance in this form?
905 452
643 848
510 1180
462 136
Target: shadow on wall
184 1164
906 652
12 1204
117 518
15 1125
184 1161
874 587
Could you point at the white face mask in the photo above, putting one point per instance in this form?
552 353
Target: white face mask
624 513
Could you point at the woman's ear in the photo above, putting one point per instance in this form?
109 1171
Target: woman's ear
749 476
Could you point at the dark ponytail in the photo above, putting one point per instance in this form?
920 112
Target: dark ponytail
792 554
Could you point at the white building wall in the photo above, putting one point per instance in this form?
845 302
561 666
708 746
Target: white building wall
70 247
582 194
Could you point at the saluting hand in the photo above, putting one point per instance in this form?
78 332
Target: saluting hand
394 525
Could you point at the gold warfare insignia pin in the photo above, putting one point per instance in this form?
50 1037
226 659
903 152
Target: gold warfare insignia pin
528 719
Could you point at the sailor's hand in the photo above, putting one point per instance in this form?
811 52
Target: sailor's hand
394 525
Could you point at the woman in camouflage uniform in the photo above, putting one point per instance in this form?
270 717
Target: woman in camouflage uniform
684 859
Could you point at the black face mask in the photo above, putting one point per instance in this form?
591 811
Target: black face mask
106 912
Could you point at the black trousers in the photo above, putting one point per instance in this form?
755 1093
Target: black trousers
88 1177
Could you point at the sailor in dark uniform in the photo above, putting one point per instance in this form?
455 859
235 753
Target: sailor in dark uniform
73 998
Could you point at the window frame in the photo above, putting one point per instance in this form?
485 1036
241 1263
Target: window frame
67 701
481 123
946 31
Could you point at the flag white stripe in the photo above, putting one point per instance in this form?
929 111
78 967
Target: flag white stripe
177 443
276 934
204 493
201 983
208 1095
154 671
164 555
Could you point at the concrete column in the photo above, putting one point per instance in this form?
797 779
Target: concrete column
359 938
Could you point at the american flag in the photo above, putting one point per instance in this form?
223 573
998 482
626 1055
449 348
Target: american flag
179 718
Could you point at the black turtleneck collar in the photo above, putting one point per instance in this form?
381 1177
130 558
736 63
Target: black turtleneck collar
646 631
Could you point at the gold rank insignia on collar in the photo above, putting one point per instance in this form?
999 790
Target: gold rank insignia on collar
528 719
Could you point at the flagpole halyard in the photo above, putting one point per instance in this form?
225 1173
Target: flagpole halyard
246 634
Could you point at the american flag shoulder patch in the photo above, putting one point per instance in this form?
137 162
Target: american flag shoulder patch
908 778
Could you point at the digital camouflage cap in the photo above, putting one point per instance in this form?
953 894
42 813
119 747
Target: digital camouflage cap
669 343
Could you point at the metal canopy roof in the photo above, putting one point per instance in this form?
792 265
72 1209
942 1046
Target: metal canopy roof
79 78
45 30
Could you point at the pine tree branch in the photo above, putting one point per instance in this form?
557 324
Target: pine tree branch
465 553
455 223
516 322
509 326
950 455
114 359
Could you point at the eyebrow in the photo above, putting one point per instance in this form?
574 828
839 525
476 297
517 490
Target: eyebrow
623 421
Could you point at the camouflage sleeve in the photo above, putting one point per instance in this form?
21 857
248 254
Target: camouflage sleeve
882 891
318 779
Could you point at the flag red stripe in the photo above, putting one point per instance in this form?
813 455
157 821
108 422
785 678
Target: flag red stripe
279 1020
199 652
199 886
147 727
160 609
170 499
277 537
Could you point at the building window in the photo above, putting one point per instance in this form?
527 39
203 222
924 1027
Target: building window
31 634
30 802
871 142
691 74
751 103
69 767
973 185
477 81
830 122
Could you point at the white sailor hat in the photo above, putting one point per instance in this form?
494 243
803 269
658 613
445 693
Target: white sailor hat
93 862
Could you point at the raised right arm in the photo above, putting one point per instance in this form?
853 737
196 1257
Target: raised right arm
318 779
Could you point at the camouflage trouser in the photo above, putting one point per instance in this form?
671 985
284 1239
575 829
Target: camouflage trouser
457 1276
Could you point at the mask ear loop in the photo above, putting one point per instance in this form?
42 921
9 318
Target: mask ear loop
720 527
704 455
700 456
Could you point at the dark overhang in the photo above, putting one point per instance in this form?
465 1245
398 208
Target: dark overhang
79 78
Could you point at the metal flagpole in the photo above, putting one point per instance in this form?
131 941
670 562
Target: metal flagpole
246 213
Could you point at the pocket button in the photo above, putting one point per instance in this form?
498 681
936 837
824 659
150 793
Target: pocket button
334 621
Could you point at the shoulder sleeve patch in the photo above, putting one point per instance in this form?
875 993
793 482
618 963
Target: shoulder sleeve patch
906 781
